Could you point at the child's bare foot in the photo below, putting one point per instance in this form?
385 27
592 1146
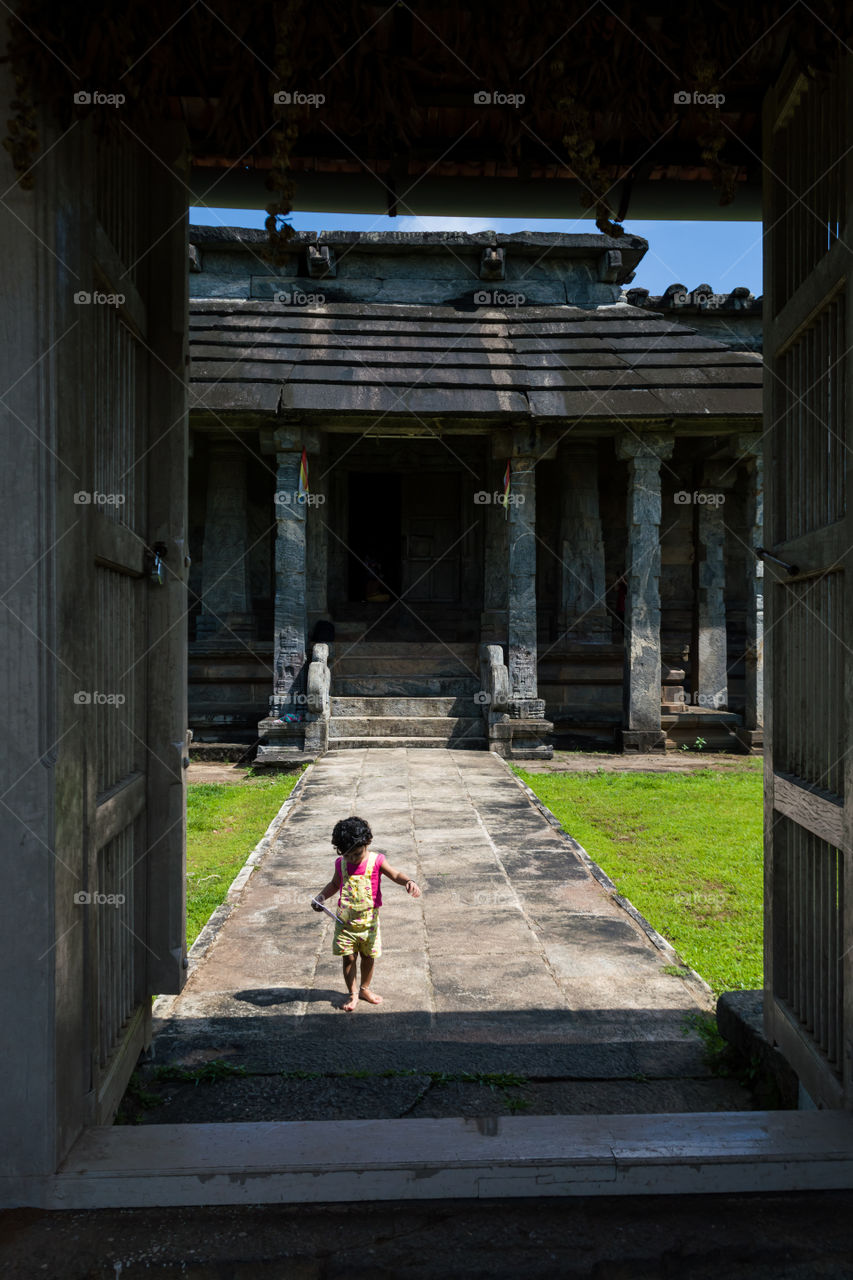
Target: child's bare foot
366 994
351 1003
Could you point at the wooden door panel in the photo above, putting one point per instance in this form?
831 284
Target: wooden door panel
431 527
808 615
136 464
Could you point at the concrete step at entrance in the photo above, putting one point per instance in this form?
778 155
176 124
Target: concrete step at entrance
371 684
393 705
405 726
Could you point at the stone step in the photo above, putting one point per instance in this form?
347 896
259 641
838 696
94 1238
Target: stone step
727 1155
465 652
683 731
401 705
358 663
405 726
451 744
699 718
371 685
402 648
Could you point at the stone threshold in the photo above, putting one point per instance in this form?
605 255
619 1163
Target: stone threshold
302 1162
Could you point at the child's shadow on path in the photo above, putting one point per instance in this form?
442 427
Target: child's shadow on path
267 997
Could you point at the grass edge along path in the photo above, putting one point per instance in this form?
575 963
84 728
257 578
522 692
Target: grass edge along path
225 821
685 848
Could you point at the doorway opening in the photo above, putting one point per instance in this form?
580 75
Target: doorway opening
374 536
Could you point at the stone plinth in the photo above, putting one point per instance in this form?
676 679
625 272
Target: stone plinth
522 733
282 743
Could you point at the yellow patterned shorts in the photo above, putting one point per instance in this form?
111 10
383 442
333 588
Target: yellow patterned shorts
360 937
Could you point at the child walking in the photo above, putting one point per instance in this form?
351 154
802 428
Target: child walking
356 879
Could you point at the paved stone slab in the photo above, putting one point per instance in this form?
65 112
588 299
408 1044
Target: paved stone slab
514 959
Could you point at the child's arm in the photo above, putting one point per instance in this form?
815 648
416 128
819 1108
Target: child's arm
328 891
400 877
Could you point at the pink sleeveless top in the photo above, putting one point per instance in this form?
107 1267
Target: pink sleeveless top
359 871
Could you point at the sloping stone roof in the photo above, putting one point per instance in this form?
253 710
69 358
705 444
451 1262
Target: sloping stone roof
341 360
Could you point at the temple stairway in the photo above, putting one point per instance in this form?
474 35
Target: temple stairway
398 694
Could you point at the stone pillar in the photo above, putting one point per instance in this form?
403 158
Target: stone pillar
522 732
283 731
751 734
290 626
583 616
317 546
521 593
226 601
712 664
641 728
493 617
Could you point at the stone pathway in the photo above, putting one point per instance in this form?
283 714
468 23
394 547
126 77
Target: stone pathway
514 960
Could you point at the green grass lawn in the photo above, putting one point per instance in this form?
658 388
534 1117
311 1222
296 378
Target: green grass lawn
224 823
686 849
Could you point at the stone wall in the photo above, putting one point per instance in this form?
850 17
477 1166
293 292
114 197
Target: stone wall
431 269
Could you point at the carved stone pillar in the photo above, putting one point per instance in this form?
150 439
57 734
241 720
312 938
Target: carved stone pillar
583 616
522 732
283 731
290 626
711 643
641 727
226 612
751 734
521 592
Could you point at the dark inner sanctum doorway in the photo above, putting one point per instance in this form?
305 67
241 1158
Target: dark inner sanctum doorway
374 536
403 562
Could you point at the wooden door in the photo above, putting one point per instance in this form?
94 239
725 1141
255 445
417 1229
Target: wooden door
131 630
432 532
809 606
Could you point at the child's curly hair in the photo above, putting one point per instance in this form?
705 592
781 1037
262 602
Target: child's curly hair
349 833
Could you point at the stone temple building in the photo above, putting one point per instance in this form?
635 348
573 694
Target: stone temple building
469 490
